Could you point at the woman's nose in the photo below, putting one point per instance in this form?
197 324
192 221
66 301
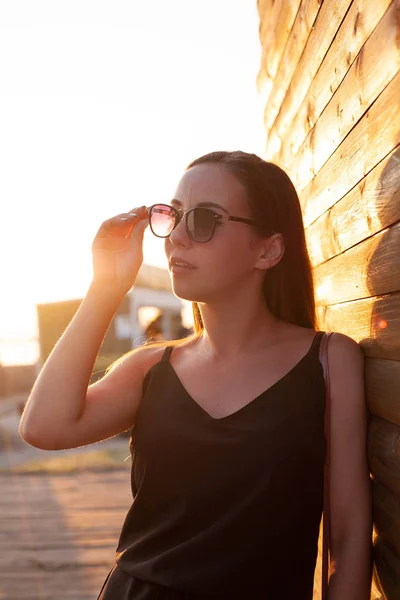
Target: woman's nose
179 236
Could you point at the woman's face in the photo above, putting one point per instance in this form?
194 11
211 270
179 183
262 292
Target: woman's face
227 260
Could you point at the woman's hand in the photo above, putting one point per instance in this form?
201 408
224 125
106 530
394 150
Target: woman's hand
117 250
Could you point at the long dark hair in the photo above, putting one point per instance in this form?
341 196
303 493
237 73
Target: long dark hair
288 287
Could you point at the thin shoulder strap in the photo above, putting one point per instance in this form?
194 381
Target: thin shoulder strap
323 356
316 343
167 354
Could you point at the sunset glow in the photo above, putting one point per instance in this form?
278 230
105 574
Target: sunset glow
106 123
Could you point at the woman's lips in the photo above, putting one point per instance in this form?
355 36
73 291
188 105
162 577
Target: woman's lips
177 268
180 263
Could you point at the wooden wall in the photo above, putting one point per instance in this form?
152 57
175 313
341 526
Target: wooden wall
330 81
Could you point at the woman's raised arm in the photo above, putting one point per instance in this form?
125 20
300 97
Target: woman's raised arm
59 396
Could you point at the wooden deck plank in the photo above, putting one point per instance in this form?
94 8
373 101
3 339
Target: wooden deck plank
58 534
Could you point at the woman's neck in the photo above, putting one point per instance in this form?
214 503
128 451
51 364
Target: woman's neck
240 325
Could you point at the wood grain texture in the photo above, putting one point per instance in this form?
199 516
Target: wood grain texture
264 81
387 570
384 453
293 47
371 206
324 29
58 534
382 384
363 83
280 22
371 139
332 120
347 45
372 322
371 268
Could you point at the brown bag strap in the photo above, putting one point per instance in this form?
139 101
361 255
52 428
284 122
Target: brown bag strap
323 357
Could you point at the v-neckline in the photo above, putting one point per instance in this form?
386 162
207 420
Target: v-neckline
242 408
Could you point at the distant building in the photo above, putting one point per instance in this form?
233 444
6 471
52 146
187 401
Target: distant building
16 379
150 310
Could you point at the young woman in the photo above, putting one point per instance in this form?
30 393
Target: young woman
228 438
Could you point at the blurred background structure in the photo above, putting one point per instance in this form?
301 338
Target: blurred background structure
150 310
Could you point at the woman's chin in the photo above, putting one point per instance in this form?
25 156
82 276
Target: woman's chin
185 295
184 291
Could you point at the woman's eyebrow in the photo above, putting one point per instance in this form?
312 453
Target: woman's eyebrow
205 204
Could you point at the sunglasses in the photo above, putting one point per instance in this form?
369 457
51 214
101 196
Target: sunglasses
200 222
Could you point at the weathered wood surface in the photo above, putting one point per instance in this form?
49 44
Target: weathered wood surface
58 533
387 568
274 33
291 54
363 83
382 381
369 207
323 31
373 322
370 140
384 457
372 268
332 106
351 77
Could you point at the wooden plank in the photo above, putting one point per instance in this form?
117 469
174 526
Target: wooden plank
281 18
57 558
302 26
263 80
372 322
35 504
65 584
360 21
372 205
384 453
82 499
387 516
25 492
388 571
374 136
263 6
67 483
63 521
382 382
375 324
371 268
327 23
360 320
54 541
87 539
363 83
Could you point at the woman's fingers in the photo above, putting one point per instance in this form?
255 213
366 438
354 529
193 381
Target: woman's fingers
121 225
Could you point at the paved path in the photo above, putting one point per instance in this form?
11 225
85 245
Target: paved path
58 533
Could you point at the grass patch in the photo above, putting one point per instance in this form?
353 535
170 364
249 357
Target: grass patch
100 460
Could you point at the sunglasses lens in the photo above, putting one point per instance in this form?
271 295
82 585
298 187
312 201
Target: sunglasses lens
200 222
162 220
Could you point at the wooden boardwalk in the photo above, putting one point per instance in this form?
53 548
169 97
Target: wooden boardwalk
58 533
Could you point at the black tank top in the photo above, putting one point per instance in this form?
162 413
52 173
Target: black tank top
228 507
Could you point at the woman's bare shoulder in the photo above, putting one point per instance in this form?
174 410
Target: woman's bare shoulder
151 354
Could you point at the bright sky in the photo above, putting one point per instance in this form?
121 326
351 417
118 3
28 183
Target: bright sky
102 106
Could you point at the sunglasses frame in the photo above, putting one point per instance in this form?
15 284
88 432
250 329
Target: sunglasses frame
180 213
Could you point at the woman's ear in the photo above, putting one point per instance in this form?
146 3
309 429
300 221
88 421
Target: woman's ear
272 250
